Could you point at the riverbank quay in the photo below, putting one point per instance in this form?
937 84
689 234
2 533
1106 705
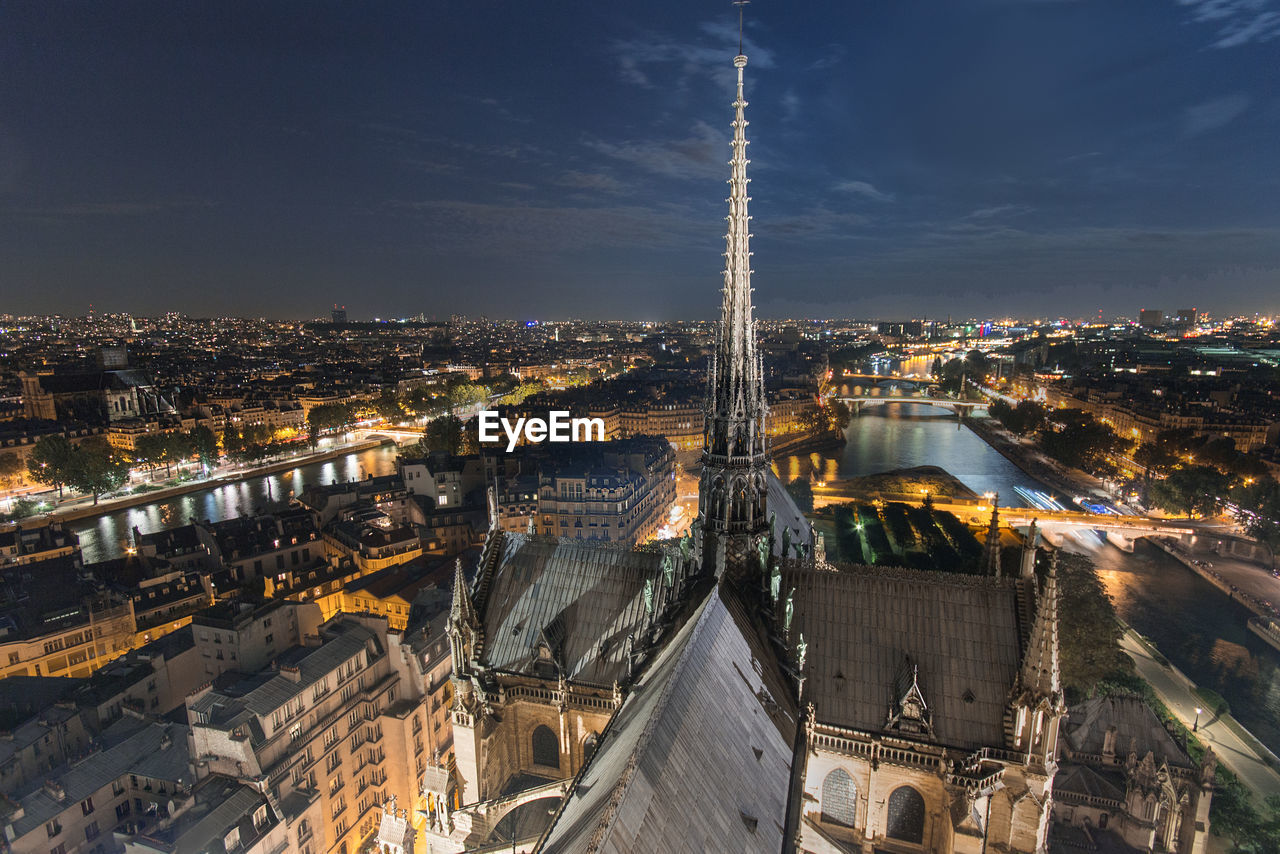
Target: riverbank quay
1261 606
805 444
1070 482
111 505
1234 745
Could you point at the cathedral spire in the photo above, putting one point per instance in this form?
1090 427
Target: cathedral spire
733 485
462 613
1040 675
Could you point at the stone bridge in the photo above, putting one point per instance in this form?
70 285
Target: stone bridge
400 435
897 394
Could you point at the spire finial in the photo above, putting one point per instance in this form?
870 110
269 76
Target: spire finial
740 4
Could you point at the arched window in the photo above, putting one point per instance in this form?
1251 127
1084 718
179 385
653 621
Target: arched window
546 747
839 798
906 815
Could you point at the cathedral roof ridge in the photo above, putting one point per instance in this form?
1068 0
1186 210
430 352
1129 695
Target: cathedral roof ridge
802 567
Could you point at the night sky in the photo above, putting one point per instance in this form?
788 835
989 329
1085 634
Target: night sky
567 159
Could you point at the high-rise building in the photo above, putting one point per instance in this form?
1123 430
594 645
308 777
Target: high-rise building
339 314
1151 318
1188 316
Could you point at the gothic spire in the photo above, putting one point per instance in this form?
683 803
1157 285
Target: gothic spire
1040 674
732 494
736 401
462 613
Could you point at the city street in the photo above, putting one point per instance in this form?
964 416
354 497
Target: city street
1177 692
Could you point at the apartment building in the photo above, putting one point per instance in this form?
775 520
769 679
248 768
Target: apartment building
140 775
339 717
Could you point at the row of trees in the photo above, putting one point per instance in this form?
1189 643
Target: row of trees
92 467
1183 473
166 449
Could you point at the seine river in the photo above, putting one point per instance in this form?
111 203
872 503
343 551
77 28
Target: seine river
1195 626
104 537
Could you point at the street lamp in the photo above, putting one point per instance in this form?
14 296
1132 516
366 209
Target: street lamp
1196 725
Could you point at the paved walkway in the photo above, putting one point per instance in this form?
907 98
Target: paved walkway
1241 754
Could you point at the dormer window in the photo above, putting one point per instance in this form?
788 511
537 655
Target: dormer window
232 840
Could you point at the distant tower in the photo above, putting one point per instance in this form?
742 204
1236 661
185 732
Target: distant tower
732 493
339 314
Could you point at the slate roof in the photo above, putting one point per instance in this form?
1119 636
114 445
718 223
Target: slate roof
711 713
585 596
220 804
862 624
134 748
1073 779
257 697
786 513
1137 730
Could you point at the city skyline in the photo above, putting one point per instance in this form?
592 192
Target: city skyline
992 159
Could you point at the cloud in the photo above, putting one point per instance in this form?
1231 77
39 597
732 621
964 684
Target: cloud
515 229
1214 114
109 209
590 181
702 154
988 213
862 188
832 55
1238 22
790 105
821 222
640 58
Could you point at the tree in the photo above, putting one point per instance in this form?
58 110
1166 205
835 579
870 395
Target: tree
232 441
178 447
205 446
95 468
801 491
50 461
329 418
444 434
838 414
1190 489
10 468
1088 632
387 407
22 508
465 394
1079 441
150 450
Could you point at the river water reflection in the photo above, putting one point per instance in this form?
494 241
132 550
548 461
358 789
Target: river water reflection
1196 627
103 537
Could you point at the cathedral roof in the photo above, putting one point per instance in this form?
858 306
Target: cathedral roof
581 598
786 513
710 714
1086 782
1138 730
864 624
